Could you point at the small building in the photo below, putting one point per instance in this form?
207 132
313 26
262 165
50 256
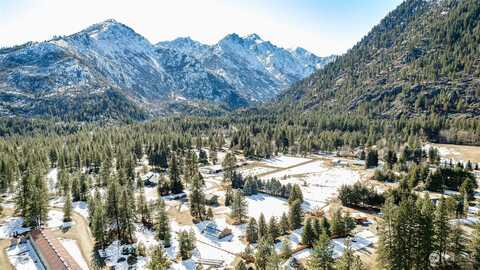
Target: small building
51 252
212 169
212 230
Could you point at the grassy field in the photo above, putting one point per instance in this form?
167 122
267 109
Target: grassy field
459 152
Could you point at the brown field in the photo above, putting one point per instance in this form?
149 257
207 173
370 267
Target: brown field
461 152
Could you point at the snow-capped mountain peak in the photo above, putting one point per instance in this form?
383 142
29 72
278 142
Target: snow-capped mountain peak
87 66
254 38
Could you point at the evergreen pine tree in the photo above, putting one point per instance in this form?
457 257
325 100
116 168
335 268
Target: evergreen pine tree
197 199
425 233
162 225
113 207
295 194
251 233
158 259
228 196
239 207
127 216
143 209
295 215
228 165
308 234
176 185
457 247
273 230
322 254
349 261
262 227
186 242
67 208
274 261
284 226
325 226
37 204
475 247
263 252
441 229
98 222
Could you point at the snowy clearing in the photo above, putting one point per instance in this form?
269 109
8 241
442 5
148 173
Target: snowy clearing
266 204
312 167
284 161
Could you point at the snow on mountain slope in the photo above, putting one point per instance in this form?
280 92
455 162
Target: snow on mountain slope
109 70
256 68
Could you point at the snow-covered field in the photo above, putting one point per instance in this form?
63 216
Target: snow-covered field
23 257
313 167
72 248
318 182
284 161
268 205
252 171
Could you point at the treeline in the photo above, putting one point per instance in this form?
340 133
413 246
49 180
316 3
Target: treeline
416 234
359 195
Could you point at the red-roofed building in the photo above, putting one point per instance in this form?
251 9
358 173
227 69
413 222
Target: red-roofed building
51 252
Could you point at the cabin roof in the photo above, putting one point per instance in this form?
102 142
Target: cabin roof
51 251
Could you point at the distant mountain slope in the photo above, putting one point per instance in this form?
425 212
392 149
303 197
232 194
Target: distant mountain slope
422 58
110 71
258 69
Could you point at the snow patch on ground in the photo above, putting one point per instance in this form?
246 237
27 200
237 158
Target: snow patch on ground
52 179
151 194
23 257
72 248
10 226
55 219
81 208
360 241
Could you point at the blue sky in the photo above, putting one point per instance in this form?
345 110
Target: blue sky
322 26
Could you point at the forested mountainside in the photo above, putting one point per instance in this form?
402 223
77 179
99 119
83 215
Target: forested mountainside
108 71
421 59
